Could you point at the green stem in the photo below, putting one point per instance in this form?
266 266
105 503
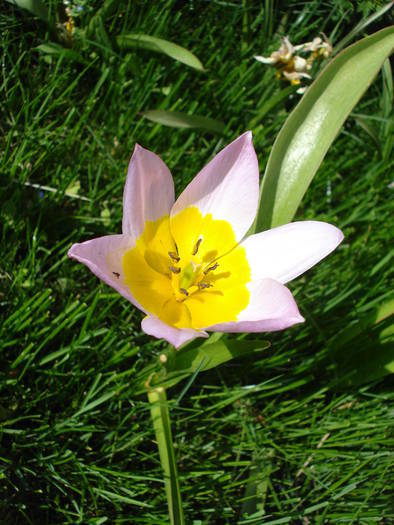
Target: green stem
162 426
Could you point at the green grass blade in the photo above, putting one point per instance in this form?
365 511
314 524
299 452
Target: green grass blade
313 125
363 24
387 109
176 119
159 45
162 426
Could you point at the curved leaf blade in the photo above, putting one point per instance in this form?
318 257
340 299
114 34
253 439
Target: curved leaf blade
35 7
193 360
176 119
369 348
313 125
159 45
56 50
211 355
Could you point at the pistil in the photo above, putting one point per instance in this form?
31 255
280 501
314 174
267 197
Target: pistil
187 279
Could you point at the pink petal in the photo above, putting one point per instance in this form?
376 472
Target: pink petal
148 193
285 252
228 187
272 307
103 257
175 336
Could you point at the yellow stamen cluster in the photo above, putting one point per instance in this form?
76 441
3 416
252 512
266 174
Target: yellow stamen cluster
189 278
188 270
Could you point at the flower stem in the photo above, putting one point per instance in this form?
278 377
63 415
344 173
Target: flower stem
162 426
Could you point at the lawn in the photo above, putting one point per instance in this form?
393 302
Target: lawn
300 432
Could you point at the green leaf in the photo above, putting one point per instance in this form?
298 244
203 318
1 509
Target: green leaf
183 363
377 315
158 45
162 427
51 48
313 125
35 7
176 119
364 350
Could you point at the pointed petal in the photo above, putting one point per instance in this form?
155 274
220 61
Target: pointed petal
266 60
286 252
227 188
175 336
148 193
103 256
271 307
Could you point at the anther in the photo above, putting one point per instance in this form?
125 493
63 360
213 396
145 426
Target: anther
174 269
194 252
202 286
174 256
211 268
182 290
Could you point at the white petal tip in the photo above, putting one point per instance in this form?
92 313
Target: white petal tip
247 136
72 252
336 235
175 336
264 60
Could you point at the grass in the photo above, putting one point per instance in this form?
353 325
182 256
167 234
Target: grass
282 438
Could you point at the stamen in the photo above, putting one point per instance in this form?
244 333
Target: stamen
174 256
182 290
211 268
194 252
117 274
174 269
202 286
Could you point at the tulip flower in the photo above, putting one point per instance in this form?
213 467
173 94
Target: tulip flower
187 264
292 67
282 56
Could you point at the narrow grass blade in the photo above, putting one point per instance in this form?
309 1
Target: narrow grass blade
176 119
364 23
159 45
387 109
313 125
370 130
162 426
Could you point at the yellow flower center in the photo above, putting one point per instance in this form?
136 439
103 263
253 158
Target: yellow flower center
184 270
